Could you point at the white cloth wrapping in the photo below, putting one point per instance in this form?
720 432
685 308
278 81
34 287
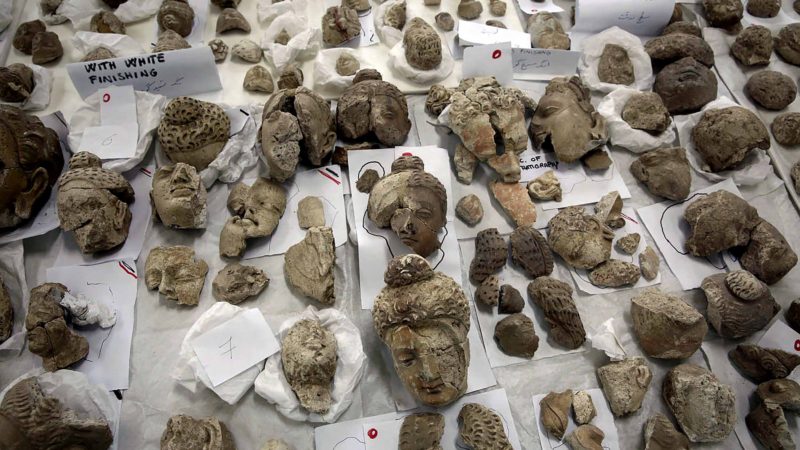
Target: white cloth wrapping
304 43
40 96
189 371
399 64
239 154
593 49
149 110
272 385
136 10
12 274
387 34
267 10
120 45
80 12
621 133
605 339
325 75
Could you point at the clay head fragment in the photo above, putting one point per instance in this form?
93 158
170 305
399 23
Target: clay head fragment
768 424
625 384
92 203
583 240
309 265
469 209
763 8
373 107
566 121
46 48
723 13
554 412
367 181
169 40
469 9
292 77
340 24
666 326
665 172
762 364
31 162
48 333
554 297
787 44
719 221
176 273
516 336
23 37
445 21
423 46
31 419
256 211
309 355
660 434
422 431
546 32
310 212
782 391
772 90
491 253
615 66
176 15
685 86
107 22
347 65
6 313
179 197
586 437
16 83
529 251
193 131
231 19
786 128
545 187
184 432
411 201
258 79
739 304
481 428
396 15
220 49
646 111
753 46
236 283
674 47
614 273
423 317
768 256
247 50
703 407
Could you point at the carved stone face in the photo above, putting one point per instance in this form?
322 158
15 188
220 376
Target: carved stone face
566 121
193 131
256 209
179 196
373 106
47 331
30 162
176 273
309 360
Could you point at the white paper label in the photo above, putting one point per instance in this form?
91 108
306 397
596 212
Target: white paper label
489 60
234 346
543 64
470 33
640 17
118 133
533 7
179 72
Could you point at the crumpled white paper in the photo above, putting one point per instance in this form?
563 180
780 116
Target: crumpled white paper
593 49
605 339
42 85
86 311
388 35
399 64
325 75
239 153
136 10
120 45
189 371
304 43
149 110
272 385
6 14
267 10
754 169
12 273
621 133
80 12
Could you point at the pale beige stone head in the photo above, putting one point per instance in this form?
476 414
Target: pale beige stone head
256 210
193 131
308 355
373 107
179 197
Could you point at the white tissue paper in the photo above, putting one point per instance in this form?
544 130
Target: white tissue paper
623 135
388 35
149 109
6 14
80 12
189 372
136 10
754 169
325 75
42 85
12 273
593 49
85 311
120 45
304 42
267 10
399 64
605 339
239 154
54 18
272 385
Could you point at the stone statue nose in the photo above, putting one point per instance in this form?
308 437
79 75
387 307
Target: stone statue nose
429 369
182 174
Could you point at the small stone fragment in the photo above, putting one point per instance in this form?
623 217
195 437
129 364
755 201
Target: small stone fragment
276 444
469 9
762 364
48 334
581 239
469 209
625 384
497 7
739 304
396 15
291 77
753 46
488 293
515 201
516 336
465 162
511 301
793 315
763 8
98 54
258 79
491 253
339 25
787 44
231 19
495 23
665 172
247 50
310 212
786 129
768 256
176 15
445 21
107 22
46 47
583 408
609 210
347 65
646 111
685 86
16 83
674 47
481 428
666 326
660 434
220 50
185 432
597 160
545 187
23 37
177 274
615 273
236 283
615 66
684 27
529 250
586 437
309 356
719 221
421 431
768 424
546 32
771 89
169 40
783 391
723 13
554 411
554 297
649 263
309 265
629 243
507 166
367 180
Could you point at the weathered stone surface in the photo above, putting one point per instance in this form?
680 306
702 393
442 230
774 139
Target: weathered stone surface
16 83
625 384
615 66
98 54
465 162
597 159
497 7
445 21
795 174
665 172
373 107
738 303
768 255
511 301
723 13
106 22
629 243
421 431
367 180
185 432
546 32
247 50
340 24
291 78
347 65
771 89
236 283
768 424
685 86
753 46
48 334
310 212
280 144
583 408
220 50
309 265
545 187
396 15
488 293
762 364
506 165
660 434
783 391
554 297
581 239
529 250
646 111
179 197
609 210
358 5
256 211
516 336
423 46
666 326
23 37
764 8
787 44
46 48
719 221
308 356
786 129
793 315
586 437
495 23
703 406
684 27
231 19
193 131
491 253
276 444
554 413
469 209
614 273
480 427
7 313
169 40
515 201
176 15
258 79
177 274
469 9
674 47
649 263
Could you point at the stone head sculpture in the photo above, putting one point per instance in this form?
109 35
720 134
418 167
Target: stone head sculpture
176 15
566 121
30 163
30 419
92 203
179 197
411 201
193 131
373 107
423 317
176 273
48 334
308 356
256 210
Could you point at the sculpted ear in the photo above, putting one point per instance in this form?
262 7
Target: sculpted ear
37 187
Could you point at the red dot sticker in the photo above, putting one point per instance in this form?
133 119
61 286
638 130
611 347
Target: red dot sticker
797 345
372 433
106 97
407 154
496 54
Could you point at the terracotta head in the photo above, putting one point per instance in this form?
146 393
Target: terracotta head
256 210
179 196
373 107
309 363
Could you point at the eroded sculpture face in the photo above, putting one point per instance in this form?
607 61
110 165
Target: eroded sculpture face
48 333
31 419
373 107
308 355
31 162
566 121
256 210
16 83
92 203
411 201
423 317
193 131
423 46
583 240
208 433
176 273
179 196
